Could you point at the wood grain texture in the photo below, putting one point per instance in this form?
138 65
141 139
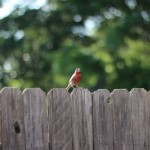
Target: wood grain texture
82 119
60 127
0 123
138 98
122 129
102 120
12 112
35 119
147 110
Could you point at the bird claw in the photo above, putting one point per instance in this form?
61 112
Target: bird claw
77 88
74 88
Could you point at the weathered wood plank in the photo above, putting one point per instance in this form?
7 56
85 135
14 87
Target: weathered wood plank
102 120
13 137
148 119
36 124
60 127
122 127
0 123
138 99
82 119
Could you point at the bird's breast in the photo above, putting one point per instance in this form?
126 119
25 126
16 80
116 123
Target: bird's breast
76 78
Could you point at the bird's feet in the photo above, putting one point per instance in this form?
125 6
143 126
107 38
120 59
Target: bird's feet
76 87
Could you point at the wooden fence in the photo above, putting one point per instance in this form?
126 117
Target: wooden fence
81 120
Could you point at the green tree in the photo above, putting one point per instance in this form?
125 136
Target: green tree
107 39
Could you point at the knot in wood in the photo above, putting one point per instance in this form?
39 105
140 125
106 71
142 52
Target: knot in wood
109 100
17 127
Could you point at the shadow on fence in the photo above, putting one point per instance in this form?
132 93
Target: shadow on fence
78 121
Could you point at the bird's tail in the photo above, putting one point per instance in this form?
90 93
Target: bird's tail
68 87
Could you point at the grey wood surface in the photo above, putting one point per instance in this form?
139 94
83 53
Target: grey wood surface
138 98
78 121
102 120
0 123
60 126
147 109
82 119
13 137
122 127
35 119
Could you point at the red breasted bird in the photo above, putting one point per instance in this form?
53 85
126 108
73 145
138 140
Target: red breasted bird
75 79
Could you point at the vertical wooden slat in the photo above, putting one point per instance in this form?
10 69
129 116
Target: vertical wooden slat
0 123
82 119
102 120
122 128
60 127
138 98
12 119
36 124
148 119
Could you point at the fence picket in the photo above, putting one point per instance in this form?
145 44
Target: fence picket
82 119
60 127
122 136
0 122
35 119
148 119
12 119
102 120
139 121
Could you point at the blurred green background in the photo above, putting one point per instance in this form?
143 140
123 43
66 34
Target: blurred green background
42 44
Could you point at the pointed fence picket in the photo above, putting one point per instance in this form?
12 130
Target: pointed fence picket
32 120
60 126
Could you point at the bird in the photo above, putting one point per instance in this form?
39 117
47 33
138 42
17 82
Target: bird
75 79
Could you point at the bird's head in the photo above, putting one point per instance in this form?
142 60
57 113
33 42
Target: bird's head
77 70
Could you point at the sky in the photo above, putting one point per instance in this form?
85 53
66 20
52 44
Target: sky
9 5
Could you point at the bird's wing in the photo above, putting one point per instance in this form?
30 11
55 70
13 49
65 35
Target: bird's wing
70 84
72 78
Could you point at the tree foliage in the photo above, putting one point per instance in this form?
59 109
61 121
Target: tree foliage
108 40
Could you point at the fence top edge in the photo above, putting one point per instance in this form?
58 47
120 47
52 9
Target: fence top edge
76 90
98 90
33 90
119 90
101 90
56 89
10 89
137 90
